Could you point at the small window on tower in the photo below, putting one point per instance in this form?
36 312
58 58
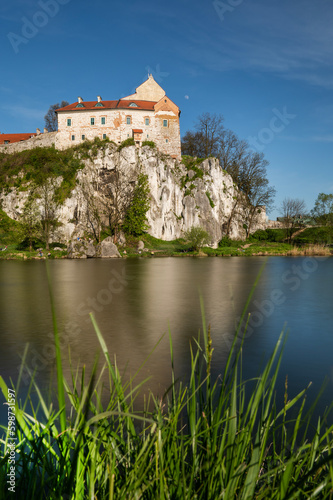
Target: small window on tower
146 121
165 123
69 122
92 121
128 120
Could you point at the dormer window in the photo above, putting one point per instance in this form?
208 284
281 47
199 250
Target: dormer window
99 105
80 105
133 105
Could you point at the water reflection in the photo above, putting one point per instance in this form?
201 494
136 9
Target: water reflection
135 302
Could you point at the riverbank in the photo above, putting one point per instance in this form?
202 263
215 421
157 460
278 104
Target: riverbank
155 251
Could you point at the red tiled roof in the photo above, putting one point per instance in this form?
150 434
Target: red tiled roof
145 105
137 130
15 137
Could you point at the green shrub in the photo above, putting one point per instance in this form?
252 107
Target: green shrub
196 237
151 144
126 143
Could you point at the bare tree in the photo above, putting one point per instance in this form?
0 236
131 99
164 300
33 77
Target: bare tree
205 141
51 119
293 210
47 193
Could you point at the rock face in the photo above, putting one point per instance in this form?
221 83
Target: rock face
182 196
107 249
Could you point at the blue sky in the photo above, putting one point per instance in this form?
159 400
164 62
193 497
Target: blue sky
253 61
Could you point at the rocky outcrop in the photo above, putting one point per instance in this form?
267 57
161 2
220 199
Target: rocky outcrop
182 196
107 249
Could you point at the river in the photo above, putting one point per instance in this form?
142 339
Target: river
137 301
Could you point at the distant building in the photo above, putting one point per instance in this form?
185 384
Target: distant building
147 115
11 138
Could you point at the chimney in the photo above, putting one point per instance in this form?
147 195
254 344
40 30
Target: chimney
38 131
45 130
99 99
79 99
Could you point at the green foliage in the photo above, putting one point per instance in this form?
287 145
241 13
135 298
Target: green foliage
38 164
273 235
151 144
323 209
315 235
196 237
127 142
11 231
191 164
90 149
135 220
212 204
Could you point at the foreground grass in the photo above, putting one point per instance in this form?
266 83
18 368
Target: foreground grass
209 439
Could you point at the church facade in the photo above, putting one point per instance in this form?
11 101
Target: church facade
146 115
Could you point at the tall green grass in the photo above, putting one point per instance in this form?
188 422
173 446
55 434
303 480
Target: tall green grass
207 439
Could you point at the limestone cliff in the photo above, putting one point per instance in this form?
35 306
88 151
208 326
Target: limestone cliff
182 195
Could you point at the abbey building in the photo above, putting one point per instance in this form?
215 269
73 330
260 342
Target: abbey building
146 115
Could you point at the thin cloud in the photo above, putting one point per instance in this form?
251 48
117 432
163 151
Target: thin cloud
21 111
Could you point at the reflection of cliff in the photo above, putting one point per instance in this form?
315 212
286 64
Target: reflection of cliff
181 196
134 302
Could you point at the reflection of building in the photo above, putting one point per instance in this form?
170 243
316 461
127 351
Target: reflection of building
147 115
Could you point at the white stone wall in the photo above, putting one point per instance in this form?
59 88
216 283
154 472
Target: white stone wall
116 128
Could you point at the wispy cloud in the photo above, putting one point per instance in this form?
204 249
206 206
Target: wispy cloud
291 39
322 138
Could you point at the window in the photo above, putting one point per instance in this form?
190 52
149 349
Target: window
146 121
6 142
103 120
83 137
104 136
69 122
92 121
167 140
99 105
73 137
127 136
128 120
80 105
133 105
165 123
147 136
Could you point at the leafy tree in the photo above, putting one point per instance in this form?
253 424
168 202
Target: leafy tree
135 220
196 237
51 119
323 209
292 210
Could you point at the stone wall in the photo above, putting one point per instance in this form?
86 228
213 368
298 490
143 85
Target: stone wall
43 140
